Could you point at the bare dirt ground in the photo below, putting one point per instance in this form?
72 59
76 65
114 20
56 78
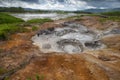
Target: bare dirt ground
23 60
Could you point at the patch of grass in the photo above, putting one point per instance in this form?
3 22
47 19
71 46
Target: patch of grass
41 77
8 25
29 79
6 78
111 18
40 21
1 50
34 28
37 77
6 18
7 29
113 13
2 70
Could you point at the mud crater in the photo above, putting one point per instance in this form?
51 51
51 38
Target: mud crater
71 38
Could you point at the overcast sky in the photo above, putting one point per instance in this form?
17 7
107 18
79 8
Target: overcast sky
61 4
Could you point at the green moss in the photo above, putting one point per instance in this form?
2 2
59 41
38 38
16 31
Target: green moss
41 21
6 18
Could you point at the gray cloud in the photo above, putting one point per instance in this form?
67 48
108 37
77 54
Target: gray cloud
61 4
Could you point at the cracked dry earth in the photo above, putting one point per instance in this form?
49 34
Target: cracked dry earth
23 58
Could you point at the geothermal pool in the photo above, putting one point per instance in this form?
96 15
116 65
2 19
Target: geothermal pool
72 38
54 16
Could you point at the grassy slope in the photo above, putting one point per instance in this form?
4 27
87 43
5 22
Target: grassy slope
113 16
6 18
8 25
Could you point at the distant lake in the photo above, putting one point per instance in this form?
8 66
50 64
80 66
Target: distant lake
54 16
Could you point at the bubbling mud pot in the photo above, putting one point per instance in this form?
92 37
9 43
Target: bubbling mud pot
71 38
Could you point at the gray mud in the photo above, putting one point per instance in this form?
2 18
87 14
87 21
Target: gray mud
71 38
